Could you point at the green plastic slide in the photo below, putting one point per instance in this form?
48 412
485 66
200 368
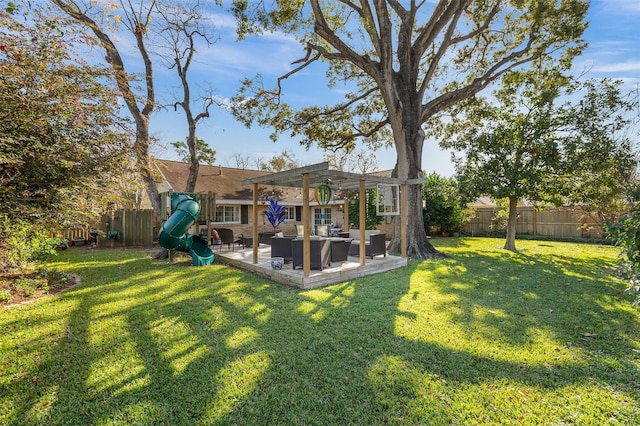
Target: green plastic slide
185 211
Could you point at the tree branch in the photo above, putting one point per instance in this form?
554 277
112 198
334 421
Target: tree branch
444 46
346 139
322 29
343 106
306 62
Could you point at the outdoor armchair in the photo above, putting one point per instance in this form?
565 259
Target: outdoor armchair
376 245
320 253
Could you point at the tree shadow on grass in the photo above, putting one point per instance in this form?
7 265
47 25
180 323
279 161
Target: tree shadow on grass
134 348
221 346
568 297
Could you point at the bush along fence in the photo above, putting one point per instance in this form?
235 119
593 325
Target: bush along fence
561 223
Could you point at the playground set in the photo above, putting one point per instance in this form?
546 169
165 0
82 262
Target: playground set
185 212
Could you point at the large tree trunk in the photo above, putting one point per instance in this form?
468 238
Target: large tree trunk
510 243
140 116
418 246
193 156
147 172
409 140
193 176
191 122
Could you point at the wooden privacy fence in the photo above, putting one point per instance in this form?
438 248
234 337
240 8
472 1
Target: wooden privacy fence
207 206
140 227
127 227
73 233
561 222
133 227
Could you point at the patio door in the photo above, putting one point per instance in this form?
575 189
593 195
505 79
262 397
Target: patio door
321 216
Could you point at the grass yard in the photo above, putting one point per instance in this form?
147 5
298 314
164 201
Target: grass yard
487 337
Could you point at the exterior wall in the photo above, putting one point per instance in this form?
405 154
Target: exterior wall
288 227
141 227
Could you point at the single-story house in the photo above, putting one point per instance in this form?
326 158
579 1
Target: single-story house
234 202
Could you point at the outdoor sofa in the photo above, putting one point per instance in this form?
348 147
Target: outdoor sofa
375 242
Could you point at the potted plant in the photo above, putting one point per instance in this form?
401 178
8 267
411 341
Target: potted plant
275 214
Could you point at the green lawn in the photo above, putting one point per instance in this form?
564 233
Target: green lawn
487 337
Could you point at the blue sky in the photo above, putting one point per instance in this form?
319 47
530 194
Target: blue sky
613 36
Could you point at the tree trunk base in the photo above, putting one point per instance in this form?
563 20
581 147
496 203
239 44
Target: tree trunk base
510 247
417 251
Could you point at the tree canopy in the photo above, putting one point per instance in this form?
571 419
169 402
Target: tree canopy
544 138
62 145
286 160
100 18
204 153
183 24
158 29
404 63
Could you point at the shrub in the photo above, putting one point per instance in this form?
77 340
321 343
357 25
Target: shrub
372 220
25 286
53 276
626 234
22 242
5 294
443 204
28 286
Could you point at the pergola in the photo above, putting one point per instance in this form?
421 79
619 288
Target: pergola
317 174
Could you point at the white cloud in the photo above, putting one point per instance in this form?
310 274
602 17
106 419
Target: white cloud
221 20
272 55
629 66
619 7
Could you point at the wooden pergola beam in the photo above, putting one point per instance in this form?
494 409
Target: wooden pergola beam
255 224
306 225
320 173
315 174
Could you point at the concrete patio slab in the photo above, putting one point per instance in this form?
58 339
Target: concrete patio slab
336 273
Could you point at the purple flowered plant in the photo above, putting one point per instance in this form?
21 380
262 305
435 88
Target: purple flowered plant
275 213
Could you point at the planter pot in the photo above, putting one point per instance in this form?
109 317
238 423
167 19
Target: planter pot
277 263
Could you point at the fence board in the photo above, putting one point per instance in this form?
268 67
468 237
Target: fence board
71 233
136 227
561 222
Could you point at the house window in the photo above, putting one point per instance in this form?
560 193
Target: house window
290 213
322 216
228 214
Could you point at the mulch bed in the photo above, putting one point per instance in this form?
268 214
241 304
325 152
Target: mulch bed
56 285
